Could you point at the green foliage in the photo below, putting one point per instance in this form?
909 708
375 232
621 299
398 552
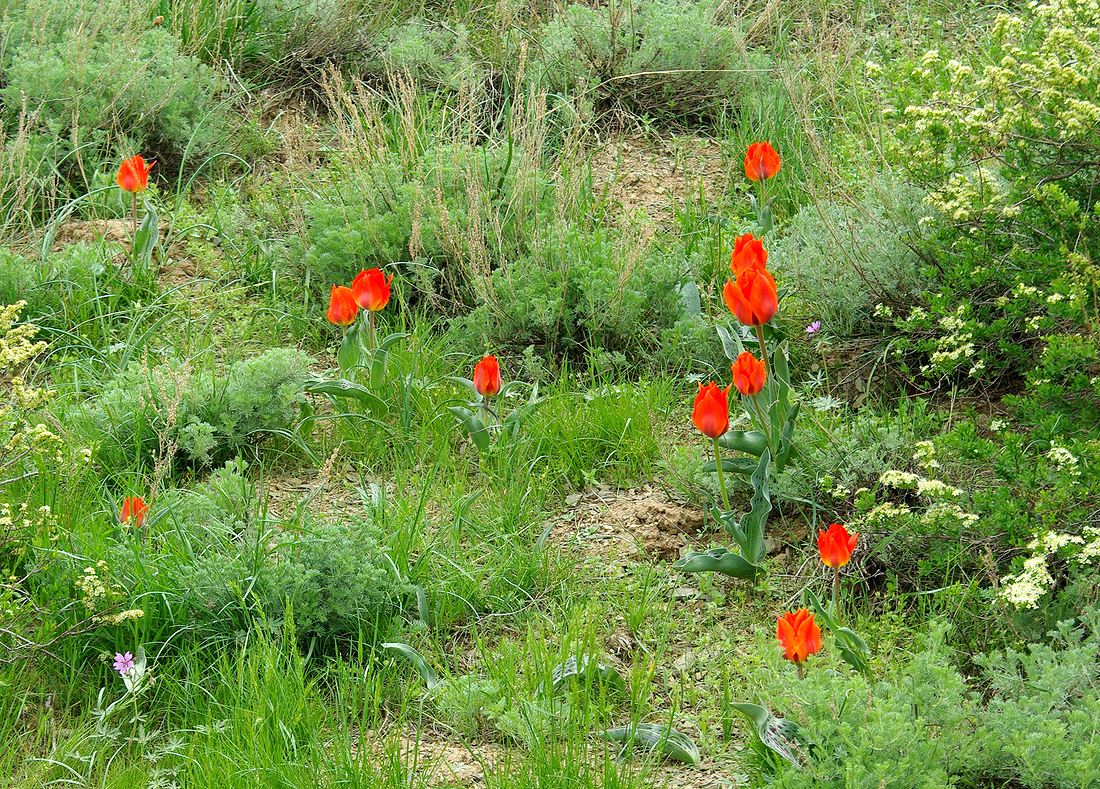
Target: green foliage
660 59
146 409
923 725
1005 143
335 580
581 289
84 80
843 260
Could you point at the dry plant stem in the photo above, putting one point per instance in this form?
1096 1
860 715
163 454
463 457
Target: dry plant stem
721 478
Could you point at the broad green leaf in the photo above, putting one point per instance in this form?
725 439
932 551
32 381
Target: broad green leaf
350 351
653 737
751 441
587 666
744 466
731 343
474 426
146 239
782 737
342 387
755 520
427 673
851 646
689 299
717 560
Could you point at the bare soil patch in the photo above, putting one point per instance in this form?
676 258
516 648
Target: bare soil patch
654 176
626 524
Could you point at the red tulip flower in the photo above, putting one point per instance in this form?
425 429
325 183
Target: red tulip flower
372 289
711 414
836 545
132 512
799 636
749 374
748 253
133 174
761 161
487 380
342 307
752 297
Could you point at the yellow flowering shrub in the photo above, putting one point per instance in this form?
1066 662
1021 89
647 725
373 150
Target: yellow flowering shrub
1006 143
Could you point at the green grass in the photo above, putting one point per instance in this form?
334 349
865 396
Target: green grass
485 195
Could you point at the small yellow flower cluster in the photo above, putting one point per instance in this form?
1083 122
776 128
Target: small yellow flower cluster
16 346
1026 588
95 585
926 455
1065 460
120 617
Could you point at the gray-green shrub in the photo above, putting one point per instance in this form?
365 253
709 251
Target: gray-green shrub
844 259
661 58
207 417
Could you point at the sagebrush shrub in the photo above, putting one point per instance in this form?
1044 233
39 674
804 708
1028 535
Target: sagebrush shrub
146 409
334 579
90 79
844 260
669 60
923 725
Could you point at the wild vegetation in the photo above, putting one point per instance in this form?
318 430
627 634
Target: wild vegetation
651 393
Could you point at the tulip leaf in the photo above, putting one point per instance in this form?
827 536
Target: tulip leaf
717 560
350 351
479 434
780 736
755 520
751 441
573 668
342 387
426 672
653 737
744 466
145 241
379 358
689 299
851 646
732 345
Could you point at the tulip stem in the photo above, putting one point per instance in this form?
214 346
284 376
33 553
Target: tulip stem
370 329
721 478
836 590
801 671
133 222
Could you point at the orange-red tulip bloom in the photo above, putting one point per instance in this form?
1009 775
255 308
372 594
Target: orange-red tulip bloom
372 289
133 174
836 545
749 374
132 511
761 161
748 253
798 634
711 414
752 297
342 307
487 377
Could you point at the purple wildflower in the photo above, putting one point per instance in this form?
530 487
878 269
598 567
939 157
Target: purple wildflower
813 328
124 663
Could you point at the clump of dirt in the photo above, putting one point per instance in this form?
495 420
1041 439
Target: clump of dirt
654 176
115 231
627 524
